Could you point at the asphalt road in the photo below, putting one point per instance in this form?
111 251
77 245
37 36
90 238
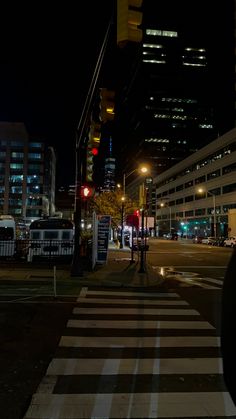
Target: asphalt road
29 335
185 253
30 328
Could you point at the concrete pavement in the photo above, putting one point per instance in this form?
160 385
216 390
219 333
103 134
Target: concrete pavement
117 272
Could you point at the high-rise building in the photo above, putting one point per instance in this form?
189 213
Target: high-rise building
27 174
176 88
109 170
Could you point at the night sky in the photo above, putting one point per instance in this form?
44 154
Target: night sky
47 58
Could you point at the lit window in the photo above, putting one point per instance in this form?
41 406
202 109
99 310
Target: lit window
16 166
36 156
158 32
155 61
152 46
16 155
205 126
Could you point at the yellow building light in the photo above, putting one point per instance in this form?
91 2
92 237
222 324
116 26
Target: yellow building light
128 21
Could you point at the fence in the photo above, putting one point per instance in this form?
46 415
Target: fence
31 250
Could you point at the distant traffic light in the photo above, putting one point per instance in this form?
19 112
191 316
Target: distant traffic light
129 18
92 148
107 105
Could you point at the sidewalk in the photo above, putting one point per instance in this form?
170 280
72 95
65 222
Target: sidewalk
117 272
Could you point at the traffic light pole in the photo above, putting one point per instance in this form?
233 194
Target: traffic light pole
81 145
142 267
77 269
122 226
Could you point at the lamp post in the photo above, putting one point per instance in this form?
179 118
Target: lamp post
142 267
142 170
122 222
201 190
165 205
214 211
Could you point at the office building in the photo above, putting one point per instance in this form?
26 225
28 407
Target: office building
27 174
177 93
193 197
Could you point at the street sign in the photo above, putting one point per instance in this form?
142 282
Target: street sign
103 229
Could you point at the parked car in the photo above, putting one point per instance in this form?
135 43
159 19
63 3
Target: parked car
209 240
197 239
230 242
219 241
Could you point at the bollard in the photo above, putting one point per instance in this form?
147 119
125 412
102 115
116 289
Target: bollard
54 282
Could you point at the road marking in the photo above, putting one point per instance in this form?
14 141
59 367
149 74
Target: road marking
100 366
134 376
137 311
148 324
144 342
133 294
175 267
124 301
170 405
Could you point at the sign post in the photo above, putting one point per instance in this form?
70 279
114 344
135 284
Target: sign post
103 229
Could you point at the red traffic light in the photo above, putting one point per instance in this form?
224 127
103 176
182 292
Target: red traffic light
86 191
94 151
133 221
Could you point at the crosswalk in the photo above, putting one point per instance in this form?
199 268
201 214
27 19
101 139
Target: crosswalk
134 355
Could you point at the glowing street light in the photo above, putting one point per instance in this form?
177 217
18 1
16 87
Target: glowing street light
201 190
143 169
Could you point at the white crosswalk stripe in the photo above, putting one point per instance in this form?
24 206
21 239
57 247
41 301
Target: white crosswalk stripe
207 282
134 355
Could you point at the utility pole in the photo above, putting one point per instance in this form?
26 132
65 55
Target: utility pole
80 149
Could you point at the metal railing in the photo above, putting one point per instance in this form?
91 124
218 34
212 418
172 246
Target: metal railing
36 249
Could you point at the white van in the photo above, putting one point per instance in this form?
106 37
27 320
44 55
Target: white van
7 235
51 237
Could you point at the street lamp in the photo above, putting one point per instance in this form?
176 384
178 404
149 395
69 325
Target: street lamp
122 222
165 205
142 169
201 190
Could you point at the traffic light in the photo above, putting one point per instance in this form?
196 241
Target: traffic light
128 20
107 105
86 191
132 220
92 148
